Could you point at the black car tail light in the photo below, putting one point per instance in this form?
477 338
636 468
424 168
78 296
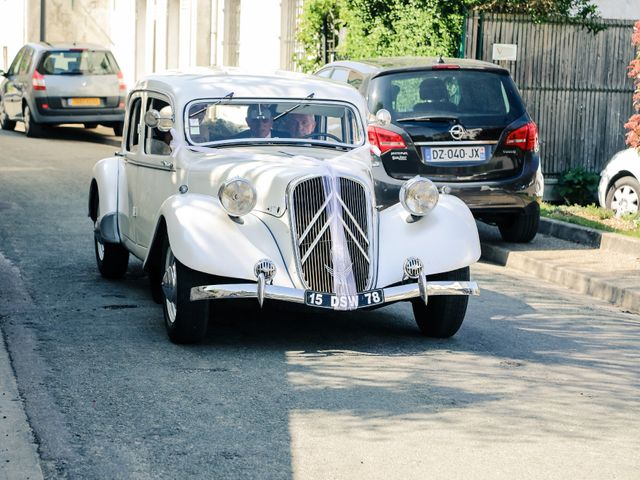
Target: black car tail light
385 139
525 137
37 81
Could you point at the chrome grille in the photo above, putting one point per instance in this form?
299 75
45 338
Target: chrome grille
312 235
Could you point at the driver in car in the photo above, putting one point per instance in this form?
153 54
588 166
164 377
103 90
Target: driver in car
300 125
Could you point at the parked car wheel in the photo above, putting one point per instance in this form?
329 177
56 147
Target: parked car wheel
186 321
624 196
31 127
117 128
443 315
5 123
521 227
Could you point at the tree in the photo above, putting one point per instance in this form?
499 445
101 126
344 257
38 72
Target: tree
633 125
366 28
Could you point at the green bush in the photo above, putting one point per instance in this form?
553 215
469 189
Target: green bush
578 186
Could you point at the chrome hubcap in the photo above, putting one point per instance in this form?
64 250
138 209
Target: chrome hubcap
625 200
170 286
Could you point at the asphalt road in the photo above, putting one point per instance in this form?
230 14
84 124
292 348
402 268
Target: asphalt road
539 382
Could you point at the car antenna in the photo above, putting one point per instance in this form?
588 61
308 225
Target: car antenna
440 59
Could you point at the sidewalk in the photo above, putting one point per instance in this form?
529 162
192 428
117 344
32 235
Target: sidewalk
599 264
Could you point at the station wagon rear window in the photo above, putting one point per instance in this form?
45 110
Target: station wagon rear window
477 95
220 121
78 62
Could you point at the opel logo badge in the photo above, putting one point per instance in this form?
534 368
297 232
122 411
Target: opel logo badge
457 132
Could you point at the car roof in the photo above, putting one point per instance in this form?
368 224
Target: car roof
374 66
67 46
216 82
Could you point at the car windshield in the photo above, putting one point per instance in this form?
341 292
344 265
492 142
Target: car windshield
222 121
78 62
477 95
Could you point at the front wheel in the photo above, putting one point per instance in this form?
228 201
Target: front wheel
624 196
186 321
521 227
443 314
5 123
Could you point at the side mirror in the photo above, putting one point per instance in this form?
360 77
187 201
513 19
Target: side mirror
162 120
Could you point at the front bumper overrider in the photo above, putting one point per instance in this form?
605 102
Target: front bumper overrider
260 290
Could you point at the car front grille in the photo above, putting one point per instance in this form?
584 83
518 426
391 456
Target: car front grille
311 213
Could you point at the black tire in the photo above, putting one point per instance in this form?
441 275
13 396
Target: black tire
521 227
90 125
623 196
112 258
5 123
186 321
31 127
443 315
118 127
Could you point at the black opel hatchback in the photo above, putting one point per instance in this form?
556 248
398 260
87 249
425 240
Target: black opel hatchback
460 123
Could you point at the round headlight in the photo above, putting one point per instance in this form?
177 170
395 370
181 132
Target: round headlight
237 196
419 196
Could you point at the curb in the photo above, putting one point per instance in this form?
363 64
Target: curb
590 236
624 297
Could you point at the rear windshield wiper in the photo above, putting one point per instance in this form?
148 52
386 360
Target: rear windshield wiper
70 72
429 118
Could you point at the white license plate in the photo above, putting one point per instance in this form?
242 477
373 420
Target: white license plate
331 300
454 154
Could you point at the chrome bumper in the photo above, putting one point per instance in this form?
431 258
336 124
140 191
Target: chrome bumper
259 290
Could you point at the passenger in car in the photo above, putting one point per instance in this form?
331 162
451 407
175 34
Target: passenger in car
260 121
435 96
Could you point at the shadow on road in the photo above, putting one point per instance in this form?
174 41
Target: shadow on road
77 133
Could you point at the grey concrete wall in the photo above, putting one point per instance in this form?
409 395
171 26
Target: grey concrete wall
71 21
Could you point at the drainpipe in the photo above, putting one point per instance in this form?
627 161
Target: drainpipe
42 19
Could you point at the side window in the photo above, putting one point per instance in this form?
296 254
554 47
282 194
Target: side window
133 138
355 79
325 73
158 142
340 74
13 69
25 63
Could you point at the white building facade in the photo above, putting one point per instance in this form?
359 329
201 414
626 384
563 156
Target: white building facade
155 35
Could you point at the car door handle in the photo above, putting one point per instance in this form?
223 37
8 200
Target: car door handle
167 164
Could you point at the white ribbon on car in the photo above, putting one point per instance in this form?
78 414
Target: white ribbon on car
342 266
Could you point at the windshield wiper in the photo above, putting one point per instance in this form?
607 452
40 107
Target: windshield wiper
429 118
308 97
72 72
227 97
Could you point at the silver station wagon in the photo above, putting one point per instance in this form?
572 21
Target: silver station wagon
231 185
50 84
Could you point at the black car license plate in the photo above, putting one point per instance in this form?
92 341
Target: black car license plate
343 302
454 154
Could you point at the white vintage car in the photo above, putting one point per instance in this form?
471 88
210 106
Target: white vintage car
231 185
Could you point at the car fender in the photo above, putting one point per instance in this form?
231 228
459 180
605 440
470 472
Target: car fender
205 238
623 163
106 175
445 239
